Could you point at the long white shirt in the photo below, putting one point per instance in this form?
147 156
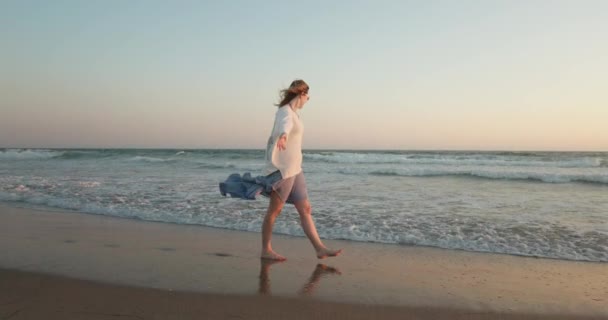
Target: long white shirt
288 161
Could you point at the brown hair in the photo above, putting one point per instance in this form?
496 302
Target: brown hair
296 88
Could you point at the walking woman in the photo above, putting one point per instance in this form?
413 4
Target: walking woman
284 158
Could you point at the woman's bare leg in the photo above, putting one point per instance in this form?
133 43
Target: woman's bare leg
305 211
274 209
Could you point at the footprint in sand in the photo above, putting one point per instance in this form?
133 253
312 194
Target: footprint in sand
221 254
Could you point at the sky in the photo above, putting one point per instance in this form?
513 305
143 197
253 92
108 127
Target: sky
409 75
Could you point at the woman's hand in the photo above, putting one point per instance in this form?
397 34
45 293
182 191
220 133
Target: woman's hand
282 143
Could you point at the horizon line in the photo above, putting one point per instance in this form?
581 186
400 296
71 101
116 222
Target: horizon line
307 149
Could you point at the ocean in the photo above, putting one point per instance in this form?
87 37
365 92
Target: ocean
541 204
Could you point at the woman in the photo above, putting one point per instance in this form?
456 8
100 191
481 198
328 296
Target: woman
284 158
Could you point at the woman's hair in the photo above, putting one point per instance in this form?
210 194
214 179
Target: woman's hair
296 88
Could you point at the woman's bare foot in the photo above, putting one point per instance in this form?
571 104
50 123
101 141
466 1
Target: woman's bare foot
325 252
271 255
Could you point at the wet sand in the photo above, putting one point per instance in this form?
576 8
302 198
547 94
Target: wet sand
63 265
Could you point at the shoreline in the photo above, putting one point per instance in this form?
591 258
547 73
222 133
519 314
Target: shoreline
35 208
207 262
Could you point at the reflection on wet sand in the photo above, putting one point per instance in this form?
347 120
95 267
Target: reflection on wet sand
320 271
264 287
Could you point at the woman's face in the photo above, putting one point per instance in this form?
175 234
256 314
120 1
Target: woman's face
304 97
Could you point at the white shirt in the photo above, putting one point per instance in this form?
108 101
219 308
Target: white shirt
288 161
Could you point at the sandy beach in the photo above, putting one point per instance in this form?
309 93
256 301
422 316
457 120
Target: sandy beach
65 265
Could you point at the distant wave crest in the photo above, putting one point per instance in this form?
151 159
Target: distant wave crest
28 154
522 175
460 159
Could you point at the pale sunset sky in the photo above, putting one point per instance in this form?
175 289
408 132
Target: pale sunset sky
441 75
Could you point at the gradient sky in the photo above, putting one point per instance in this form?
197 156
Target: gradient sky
475 75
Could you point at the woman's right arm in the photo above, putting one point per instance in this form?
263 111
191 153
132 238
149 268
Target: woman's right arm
282 142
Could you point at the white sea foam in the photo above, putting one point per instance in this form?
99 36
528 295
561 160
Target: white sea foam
89 184
22 188
552 241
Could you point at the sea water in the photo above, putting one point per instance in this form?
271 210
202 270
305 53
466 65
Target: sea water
544 204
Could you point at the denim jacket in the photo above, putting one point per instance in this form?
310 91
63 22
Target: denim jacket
248 187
